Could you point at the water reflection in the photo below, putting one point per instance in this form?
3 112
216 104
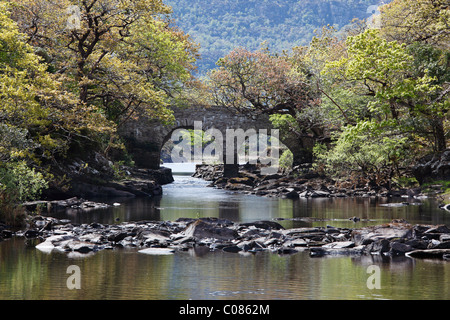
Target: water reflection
27 273
191 198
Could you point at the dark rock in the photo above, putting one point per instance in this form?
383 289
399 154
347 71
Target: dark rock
429 254
6 234
378 246
31 233
233 249
268 225
117 236
81 247
417 243
432 168
292 195
200 229
339 245
286 250
387 231
398 248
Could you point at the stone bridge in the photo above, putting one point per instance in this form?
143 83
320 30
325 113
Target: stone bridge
145 138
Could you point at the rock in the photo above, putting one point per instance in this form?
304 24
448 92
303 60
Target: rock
429 254
398 248
245 181
417 244
286 250
233 249
117 236
438 229
157 251
6 234
31 233
149 235
267 225
319 194
297 243
339 245
378 247
387 231
201 229
81 246
432 168
292 195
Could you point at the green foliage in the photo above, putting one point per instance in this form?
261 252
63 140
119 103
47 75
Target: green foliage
21 182
18 183
362 152
286 160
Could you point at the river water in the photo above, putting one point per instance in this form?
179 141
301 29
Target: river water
27 273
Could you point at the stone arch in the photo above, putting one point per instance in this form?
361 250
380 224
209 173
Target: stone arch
145 138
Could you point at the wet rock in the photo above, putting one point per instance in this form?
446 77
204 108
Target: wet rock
286 250
201 229
232 249
31 233
398 248
429 254
80 246
378 246
6 234
267 225
417 243
387 231
339 245
292 195
117 236
157 251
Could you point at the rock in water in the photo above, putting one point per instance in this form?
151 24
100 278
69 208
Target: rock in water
157 251
200 229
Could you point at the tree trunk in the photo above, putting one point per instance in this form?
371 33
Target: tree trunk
439 134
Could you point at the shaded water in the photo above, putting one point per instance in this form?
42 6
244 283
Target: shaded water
27 273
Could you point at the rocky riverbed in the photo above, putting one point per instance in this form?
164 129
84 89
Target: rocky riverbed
168 237
300 182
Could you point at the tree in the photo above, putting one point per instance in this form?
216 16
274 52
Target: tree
262 83
122 58
409 21
385 71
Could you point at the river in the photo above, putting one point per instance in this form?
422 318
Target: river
27 273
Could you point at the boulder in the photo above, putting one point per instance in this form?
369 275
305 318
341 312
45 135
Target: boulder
200 229
263 224
387 231
117 236
80 246
339 245
429 254
432 168
157 251
398 248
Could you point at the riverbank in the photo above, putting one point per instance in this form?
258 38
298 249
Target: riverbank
397 238
303 182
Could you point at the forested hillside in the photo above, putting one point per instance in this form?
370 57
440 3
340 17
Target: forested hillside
221 25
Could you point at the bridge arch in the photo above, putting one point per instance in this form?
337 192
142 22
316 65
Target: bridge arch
145 138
